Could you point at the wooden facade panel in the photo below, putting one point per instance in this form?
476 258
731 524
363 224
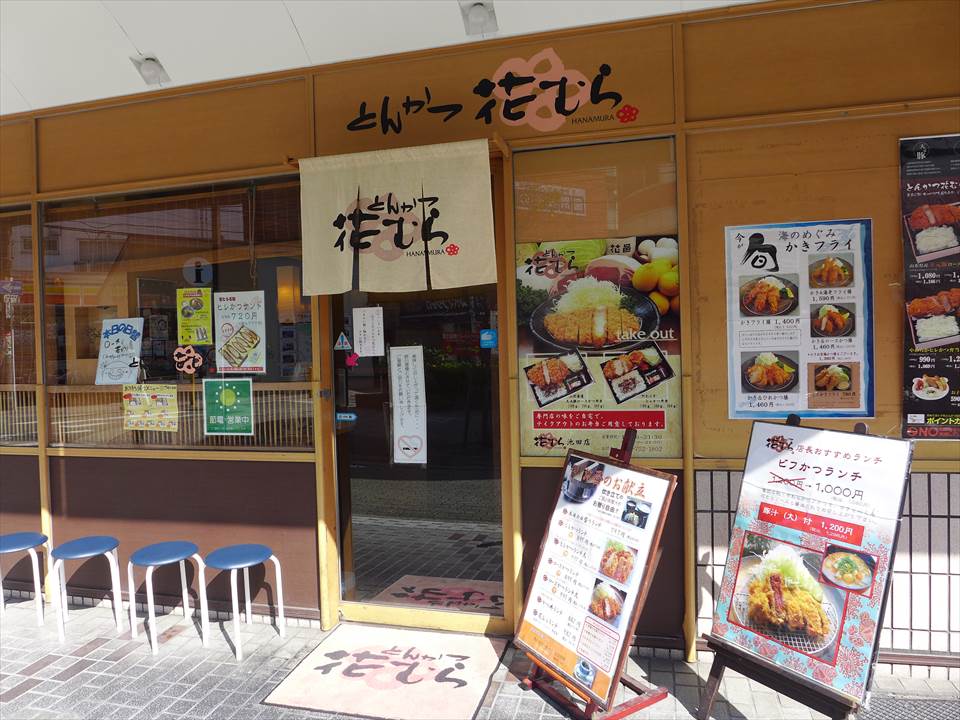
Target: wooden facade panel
19 510
771 177
16 158
821 57
250 127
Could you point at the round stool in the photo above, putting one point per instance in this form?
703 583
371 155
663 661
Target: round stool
236 557
157 555
18 542
81 549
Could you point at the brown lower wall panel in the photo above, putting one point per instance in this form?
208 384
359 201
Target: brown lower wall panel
661 622
210 503
19 510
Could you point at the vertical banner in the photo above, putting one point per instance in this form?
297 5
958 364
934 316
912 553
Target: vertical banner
228 406
241 332
367 331
150 407
930 205
810 554
409 403
194 317
118 361
800 319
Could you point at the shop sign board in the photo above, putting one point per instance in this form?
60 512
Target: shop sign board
595 564
150 407
118 361
409 405
599 345
808 566
930 206
800 319
194 326
241 332
228 406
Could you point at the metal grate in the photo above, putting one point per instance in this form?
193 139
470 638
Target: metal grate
897 708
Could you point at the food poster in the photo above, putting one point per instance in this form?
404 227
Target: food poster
599 343
799 319
593 568
241 332
811 550
930 204
150 407
228 406
193 316
118 361
409 405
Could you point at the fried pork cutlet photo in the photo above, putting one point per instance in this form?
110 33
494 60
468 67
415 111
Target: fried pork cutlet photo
777 605
592 327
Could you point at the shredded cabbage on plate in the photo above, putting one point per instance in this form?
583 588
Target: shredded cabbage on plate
787 561
588 292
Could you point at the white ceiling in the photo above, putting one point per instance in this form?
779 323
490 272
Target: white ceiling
54 52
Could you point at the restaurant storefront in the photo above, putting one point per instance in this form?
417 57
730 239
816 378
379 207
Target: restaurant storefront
618 155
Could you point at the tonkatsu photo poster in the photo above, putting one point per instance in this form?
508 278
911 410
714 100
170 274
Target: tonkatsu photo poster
598 331
808 566
930 205
800 320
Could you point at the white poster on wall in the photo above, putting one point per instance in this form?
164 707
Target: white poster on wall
409 402
240 332
118 362
368 331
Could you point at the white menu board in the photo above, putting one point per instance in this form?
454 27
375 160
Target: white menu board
241 332
118 362
594 567
368 331
799 319
409 404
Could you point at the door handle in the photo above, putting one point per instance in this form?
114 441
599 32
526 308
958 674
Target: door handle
324 393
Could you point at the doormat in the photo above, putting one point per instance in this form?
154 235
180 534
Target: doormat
393 674
483 596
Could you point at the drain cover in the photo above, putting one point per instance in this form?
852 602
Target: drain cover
898 708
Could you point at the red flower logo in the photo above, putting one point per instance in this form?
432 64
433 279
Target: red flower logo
627 113
452 249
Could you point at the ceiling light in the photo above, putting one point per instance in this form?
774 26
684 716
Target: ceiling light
150 69
479 17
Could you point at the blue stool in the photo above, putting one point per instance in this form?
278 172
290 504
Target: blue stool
235 557
29 541
166 553
81 549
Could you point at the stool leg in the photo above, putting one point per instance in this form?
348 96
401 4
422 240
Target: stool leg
183 588
151 613
281 623
204 611
38 594
236 612
248 601
56 575
64 606
113 559
133 600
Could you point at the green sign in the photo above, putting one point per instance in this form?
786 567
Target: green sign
228 407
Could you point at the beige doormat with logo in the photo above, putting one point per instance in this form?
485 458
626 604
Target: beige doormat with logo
483 596
393 674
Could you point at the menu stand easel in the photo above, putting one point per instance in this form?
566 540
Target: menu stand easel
541 677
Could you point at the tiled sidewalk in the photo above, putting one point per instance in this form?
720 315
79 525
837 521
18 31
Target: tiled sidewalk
98 674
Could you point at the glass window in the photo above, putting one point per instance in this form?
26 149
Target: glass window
18 410
178 265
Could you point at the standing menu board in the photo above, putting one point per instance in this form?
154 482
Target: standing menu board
810 554
930 205
595 564
799 319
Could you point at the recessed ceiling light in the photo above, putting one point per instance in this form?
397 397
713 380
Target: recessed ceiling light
479 17
150 69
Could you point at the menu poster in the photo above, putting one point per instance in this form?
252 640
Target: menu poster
409 405
150 407
193 316
930 205
368 331
118 361
598 330
594 567
241 332
810 553
799 319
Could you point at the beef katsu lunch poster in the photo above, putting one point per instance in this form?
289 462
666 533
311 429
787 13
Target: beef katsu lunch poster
930 205
810 553
593 569
799 319
599 344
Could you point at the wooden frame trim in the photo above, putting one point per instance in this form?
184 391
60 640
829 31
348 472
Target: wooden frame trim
19 450
557 462
158 454
427 619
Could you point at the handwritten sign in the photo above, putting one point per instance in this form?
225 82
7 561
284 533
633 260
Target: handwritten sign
368 331
409 404
119 359
150 407
241 332
193 316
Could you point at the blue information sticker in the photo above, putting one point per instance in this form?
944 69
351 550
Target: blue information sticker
346 417
488 338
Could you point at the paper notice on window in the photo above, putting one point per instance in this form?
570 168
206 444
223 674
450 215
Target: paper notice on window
119 360
368 331
409 402
241 332
150 407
